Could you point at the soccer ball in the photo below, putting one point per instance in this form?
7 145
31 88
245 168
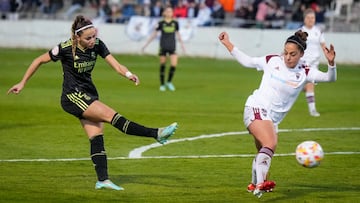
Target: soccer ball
309 154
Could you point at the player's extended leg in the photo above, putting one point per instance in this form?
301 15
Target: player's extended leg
94 131
100 112
310 98
265 135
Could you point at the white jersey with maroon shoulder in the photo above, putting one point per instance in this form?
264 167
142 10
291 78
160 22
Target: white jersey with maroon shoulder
280 86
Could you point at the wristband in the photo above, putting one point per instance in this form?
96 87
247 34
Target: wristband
330 66
128 74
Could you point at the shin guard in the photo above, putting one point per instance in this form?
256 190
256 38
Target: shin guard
98 157
263 162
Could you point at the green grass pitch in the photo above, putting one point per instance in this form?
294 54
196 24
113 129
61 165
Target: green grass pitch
209 99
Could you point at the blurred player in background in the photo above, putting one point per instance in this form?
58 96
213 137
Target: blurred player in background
315 46
169 29
80 98
283 79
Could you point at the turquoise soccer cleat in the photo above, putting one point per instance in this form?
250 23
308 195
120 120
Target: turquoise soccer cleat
170 86
165 133
107 184
162 88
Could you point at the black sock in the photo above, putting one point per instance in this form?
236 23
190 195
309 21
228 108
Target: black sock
162 74
131 128
98 157
171 73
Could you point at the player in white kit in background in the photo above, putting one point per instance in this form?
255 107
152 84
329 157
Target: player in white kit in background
284 77
315 46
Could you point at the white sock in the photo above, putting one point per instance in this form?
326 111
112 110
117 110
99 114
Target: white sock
310 98
262 165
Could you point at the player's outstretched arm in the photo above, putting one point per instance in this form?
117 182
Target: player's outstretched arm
121 69
44 58
330 54
151 38
329 76
240 56
178 36
224 39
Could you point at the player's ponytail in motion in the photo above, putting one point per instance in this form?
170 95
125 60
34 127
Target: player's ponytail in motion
80 23
299 38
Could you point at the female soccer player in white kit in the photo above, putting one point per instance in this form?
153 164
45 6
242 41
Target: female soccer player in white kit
315 45
284 77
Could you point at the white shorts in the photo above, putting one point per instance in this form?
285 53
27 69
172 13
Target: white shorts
258 113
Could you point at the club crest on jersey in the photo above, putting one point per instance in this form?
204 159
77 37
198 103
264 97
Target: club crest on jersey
306 67
76 58
297 75
93 55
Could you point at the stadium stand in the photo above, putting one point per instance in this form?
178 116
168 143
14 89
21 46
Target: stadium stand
332 15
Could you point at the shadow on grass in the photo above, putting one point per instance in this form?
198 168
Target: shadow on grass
315 191
152 180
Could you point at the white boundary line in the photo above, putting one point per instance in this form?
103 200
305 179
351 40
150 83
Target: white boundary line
137 152
164 157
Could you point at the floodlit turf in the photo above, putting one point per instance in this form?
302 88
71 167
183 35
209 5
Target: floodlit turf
209 99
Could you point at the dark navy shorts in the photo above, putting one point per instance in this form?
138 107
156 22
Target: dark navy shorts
77 102
164 52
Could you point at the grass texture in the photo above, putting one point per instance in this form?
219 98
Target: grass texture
209 99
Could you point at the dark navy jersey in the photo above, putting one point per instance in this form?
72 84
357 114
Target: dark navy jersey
168 30
77 71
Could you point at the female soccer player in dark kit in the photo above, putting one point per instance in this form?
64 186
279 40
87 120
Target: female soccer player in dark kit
79 95
169 29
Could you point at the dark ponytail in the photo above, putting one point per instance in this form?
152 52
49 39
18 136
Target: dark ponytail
299 38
